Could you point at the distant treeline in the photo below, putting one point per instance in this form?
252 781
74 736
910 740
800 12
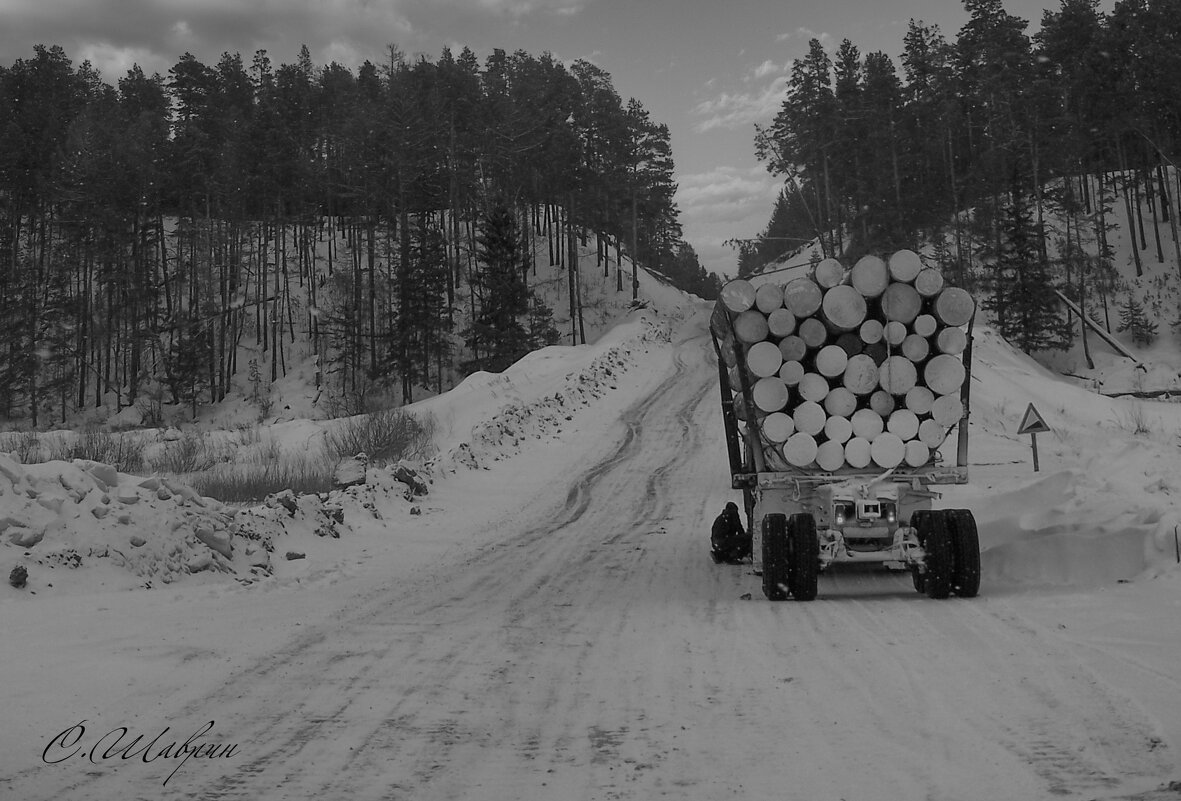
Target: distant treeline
1072 125
149 229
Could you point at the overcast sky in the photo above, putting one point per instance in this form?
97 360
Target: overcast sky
709 69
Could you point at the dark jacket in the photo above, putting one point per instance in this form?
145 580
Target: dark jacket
729 539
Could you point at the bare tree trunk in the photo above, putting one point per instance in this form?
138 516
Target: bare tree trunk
572 265
276 310
1035 157
1101 208
1168 210
404 259
371 304
1128 208
955 210
1160 251
618 264
635 250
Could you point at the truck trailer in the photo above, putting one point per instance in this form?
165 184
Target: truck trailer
839 392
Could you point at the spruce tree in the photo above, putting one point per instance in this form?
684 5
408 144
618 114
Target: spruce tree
186 362
542 332
1023 299
424 318
497 333
1132 318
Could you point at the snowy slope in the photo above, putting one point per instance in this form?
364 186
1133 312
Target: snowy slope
544 623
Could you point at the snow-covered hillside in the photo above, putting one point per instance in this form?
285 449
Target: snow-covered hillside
544 621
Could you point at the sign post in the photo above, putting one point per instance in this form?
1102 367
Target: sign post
1033 424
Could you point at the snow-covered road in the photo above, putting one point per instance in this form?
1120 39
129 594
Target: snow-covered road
579 644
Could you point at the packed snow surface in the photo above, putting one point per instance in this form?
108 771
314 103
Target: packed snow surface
544 622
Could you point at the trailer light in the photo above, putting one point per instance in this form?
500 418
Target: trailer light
843 512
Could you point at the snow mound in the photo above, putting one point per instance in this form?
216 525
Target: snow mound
1077 529
529 416
121 531
1108 502
137 531
1052 533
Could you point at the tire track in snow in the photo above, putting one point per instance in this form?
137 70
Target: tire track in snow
995 691
590 650
436 739
296 702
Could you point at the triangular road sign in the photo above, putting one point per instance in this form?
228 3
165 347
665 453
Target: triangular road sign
1032 422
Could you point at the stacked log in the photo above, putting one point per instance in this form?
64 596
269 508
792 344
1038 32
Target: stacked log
848 368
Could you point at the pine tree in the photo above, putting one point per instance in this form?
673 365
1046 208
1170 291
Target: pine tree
266 200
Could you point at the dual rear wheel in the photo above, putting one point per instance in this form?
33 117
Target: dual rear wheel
952 544
791 557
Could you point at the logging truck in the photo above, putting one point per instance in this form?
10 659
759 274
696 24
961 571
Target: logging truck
839 390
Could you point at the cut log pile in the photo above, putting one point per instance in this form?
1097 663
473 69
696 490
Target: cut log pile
847 368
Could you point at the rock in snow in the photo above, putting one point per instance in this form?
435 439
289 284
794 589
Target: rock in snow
351 471
108 475
403 473
23 537
219 541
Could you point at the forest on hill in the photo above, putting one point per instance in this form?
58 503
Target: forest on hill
1011 153
392 217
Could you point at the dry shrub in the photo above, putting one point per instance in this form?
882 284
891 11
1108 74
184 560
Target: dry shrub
384 436
124 452
25 444
185 455
255 480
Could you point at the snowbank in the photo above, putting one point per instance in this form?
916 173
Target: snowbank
489 416
1106 503
72 514
62 520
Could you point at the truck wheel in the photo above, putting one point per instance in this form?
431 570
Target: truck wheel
775 573
965 542
918 519
940 556
803 554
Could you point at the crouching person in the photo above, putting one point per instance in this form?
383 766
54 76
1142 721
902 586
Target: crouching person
731 542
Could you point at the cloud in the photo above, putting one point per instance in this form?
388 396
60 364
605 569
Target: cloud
827 40
722 204
154 33
521 8
741 109
723 189
732 110
765 69
113 34
112 61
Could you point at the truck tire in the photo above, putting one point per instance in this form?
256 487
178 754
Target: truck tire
937 543
803 555
775 560
965 542
918 521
